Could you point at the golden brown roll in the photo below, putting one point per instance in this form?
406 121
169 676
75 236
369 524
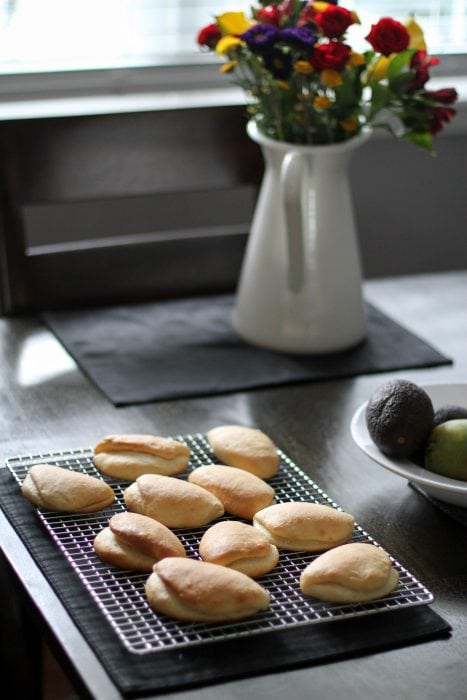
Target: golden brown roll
59 489
304 527
352 573
240 492
197 591
128 456
238 546
245 448
173 502
135 541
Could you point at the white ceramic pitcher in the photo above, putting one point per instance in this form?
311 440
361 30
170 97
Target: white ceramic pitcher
300 285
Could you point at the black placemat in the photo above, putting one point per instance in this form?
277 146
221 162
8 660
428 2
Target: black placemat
455 512
216 661
184 348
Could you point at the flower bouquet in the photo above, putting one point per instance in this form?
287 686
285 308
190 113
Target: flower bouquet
307 85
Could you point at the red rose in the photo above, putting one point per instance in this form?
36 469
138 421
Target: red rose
334 21
440 115
388 36
306 17
209 36
421 59
269 15
444 95
421 62
331 55
288 7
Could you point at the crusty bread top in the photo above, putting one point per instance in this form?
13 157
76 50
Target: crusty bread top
167 448
357 566
172 501
113 551
245 448
230 540
62 490
301 521
210 588
242 493
129 465
147 535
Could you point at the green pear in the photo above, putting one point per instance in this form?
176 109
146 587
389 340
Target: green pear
446 449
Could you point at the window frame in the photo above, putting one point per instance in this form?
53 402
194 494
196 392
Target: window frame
199 74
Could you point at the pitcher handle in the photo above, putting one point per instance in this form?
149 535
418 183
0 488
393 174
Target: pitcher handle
292 174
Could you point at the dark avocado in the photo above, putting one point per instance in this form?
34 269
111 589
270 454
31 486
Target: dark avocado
399 417
449 412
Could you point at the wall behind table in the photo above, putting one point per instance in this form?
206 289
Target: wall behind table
154 204
411 208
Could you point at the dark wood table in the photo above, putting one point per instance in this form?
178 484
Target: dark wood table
48 405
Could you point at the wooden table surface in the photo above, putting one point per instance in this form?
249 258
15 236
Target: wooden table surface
48 405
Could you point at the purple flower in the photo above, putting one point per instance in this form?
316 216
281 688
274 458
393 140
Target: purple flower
278 63
260 37
300 37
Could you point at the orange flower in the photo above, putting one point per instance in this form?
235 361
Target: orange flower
356 59
303 67
349 124
322 102
331 77
228 67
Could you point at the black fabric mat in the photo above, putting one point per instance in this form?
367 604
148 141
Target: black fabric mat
185 348
455 512
218 661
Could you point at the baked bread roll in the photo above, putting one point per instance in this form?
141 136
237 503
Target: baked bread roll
128 456
245 448
238 546
134 541
61 490
304 527
352 573
173 502
197 591
240 492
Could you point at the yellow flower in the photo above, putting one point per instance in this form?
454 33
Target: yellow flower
331 78
417 40
283 84
227 67
379 69
349 124
322 102
303 67
320 6
356 59
226 44
233 23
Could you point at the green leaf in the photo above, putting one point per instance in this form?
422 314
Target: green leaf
369 56
399 62
400 84
422 140
379 98
386 127
348 94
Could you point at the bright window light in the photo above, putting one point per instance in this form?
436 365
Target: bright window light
55 35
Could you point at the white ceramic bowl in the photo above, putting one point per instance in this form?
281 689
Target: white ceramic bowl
441 487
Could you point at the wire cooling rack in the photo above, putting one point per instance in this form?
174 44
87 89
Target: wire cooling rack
119 594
